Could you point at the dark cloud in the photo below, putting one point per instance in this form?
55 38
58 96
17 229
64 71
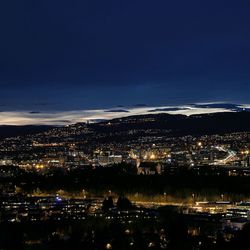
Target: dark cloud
35 112
61 121
166 109
117 111
229 106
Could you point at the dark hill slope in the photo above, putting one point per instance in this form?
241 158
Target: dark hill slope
12 131
181 124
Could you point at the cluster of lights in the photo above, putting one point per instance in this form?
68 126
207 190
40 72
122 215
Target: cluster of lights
39 166
246 152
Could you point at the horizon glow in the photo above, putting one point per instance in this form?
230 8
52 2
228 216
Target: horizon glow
61 118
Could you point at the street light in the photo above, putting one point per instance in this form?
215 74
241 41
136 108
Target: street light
222 197
108 246
84 193
193 196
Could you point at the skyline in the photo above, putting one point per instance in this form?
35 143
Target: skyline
95 55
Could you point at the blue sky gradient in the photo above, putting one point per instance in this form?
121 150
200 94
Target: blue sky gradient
77 55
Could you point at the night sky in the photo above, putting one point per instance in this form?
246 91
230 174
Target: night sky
87 54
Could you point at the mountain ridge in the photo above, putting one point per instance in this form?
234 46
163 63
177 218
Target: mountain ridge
177 124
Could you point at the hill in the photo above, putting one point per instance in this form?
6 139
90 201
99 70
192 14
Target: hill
12 131
181 124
